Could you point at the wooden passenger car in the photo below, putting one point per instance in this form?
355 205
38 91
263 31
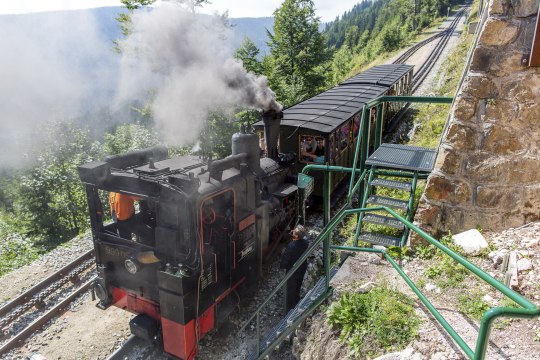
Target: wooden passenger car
332 118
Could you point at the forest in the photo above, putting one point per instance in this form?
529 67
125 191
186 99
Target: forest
43 203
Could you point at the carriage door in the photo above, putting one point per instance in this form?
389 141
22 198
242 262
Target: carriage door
217 214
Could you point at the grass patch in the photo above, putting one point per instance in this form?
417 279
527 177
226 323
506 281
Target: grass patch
16 250
444 269
374 323
473 304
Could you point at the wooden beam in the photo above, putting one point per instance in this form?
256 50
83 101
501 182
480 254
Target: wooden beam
534 60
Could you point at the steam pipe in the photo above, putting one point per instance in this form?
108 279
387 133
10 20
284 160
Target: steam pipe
272 122
218 166
137 157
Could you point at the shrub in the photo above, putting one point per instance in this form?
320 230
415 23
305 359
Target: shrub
374 323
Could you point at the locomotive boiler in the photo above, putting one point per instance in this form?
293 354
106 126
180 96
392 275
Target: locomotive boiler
200 235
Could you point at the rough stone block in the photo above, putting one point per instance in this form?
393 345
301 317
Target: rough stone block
448 161
501 111
525 8
461 137
498 7
524 89
529 115
498 32
483 59
489 220
439 188
498 140
507 63
480 87
497 197
485 168
471 241
465 108
428 215
525 170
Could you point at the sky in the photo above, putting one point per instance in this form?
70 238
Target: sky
327 10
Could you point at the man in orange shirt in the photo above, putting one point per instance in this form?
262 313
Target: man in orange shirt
122 211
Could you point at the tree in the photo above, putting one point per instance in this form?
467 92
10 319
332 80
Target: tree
52 199
248 54
298 51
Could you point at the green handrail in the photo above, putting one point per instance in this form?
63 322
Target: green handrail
527 310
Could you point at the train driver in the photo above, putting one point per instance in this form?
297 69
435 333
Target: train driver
122 213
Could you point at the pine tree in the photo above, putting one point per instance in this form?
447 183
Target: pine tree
298 52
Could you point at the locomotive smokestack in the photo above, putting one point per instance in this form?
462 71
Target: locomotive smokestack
272 122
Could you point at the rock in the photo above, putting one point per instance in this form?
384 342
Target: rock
367 287
471 241
524 265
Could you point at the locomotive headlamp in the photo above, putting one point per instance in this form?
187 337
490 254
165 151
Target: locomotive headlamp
132 266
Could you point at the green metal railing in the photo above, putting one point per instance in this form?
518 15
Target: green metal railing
357 184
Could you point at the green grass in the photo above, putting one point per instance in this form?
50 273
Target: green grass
374 323
473 304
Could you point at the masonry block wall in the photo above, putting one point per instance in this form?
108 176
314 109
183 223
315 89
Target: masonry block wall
487 172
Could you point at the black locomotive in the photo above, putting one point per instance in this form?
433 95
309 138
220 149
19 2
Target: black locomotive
204 227
201 233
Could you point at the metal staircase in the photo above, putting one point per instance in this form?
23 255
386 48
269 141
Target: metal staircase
393 174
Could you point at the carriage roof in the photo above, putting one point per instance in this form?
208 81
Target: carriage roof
330 109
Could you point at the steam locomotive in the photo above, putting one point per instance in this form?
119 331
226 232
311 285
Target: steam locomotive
202 232
204 227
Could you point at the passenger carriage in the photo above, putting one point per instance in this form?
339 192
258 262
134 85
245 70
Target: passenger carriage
332 118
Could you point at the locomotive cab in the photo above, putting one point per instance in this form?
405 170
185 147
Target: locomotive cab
197 241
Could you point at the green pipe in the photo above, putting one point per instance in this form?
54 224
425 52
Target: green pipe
405 234
378 127
357 147
366 194
460 259
462 344
487 321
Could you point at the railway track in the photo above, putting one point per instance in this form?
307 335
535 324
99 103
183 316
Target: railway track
423 71
29 311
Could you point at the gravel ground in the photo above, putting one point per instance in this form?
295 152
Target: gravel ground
510 339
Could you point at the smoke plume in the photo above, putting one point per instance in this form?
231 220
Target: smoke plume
53 66
183 61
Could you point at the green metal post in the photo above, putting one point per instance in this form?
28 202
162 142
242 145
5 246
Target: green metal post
326 219
378 127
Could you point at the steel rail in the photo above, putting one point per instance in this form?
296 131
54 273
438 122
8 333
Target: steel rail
29 298
426 67
36 324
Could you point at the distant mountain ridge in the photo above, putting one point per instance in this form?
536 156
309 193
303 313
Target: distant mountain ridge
254 28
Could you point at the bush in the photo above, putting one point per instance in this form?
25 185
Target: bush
374 323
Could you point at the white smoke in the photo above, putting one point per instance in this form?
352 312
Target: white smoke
52 67
183 60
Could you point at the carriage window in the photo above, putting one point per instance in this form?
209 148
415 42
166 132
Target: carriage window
312 149
343 135
356 122
262 144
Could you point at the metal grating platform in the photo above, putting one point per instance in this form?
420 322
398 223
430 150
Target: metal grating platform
386 201
383 220
379 239
295 313
403 157
392 184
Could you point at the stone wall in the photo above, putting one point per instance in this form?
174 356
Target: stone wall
487 172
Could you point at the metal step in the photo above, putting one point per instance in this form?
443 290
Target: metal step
383 220
386 201
379 239
294 313
392 184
